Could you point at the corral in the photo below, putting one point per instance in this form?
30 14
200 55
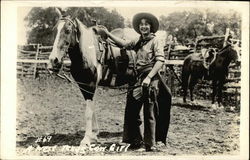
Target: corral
50 106
32 62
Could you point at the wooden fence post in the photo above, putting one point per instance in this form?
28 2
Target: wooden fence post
168 51
172 85
22 64
226 37
36 57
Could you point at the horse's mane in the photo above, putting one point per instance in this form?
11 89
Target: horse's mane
223 49
87 43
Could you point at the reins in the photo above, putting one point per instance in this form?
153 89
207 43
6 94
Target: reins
76 83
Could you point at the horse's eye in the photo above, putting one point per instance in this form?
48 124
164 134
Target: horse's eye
67 31
67 43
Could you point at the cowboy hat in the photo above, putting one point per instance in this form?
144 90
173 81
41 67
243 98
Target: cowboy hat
152 19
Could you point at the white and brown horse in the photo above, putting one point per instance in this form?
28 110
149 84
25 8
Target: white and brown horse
82 46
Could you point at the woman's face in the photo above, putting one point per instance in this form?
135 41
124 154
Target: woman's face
144 27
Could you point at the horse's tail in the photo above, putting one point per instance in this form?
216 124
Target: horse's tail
185 73
185 69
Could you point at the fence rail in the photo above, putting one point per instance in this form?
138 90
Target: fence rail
38 58
34 62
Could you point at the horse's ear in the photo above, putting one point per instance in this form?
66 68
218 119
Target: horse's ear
59 11
74 15
79 29
78 22
95 30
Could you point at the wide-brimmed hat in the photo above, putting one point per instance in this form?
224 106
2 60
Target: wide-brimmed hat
153 20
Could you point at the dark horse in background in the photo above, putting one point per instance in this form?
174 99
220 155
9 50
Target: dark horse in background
89 69
194 69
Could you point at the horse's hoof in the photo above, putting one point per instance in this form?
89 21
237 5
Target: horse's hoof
214 107
231 109
85 142
194 103
94 139
221 107
184 101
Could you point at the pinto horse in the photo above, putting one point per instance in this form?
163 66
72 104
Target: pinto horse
81 44
194 69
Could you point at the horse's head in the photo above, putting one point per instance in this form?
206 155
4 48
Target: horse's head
229 53
233 53
66 37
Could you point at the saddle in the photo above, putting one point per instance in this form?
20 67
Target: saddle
115 61
98 29
207 57
101 42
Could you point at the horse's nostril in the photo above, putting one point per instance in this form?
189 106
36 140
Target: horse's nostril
56 60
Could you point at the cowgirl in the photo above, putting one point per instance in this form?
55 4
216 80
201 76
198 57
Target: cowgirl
150 59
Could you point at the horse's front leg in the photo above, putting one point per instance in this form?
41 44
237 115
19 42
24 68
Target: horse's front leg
95 126
214 92
192 83
89 121
220 86
185 81
99 72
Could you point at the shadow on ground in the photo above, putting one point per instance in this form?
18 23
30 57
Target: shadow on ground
64 139
192 106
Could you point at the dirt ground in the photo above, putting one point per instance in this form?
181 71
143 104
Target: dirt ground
54 110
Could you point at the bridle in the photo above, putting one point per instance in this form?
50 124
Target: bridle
76 83
74 30
64 18
68 19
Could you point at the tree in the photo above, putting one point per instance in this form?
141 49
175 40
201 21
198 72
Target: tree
128 23
41 21
191 24
102 16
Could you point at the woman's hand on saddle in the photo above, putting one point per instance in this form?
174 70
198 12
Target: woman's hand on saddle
116 39
146 82
103 29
